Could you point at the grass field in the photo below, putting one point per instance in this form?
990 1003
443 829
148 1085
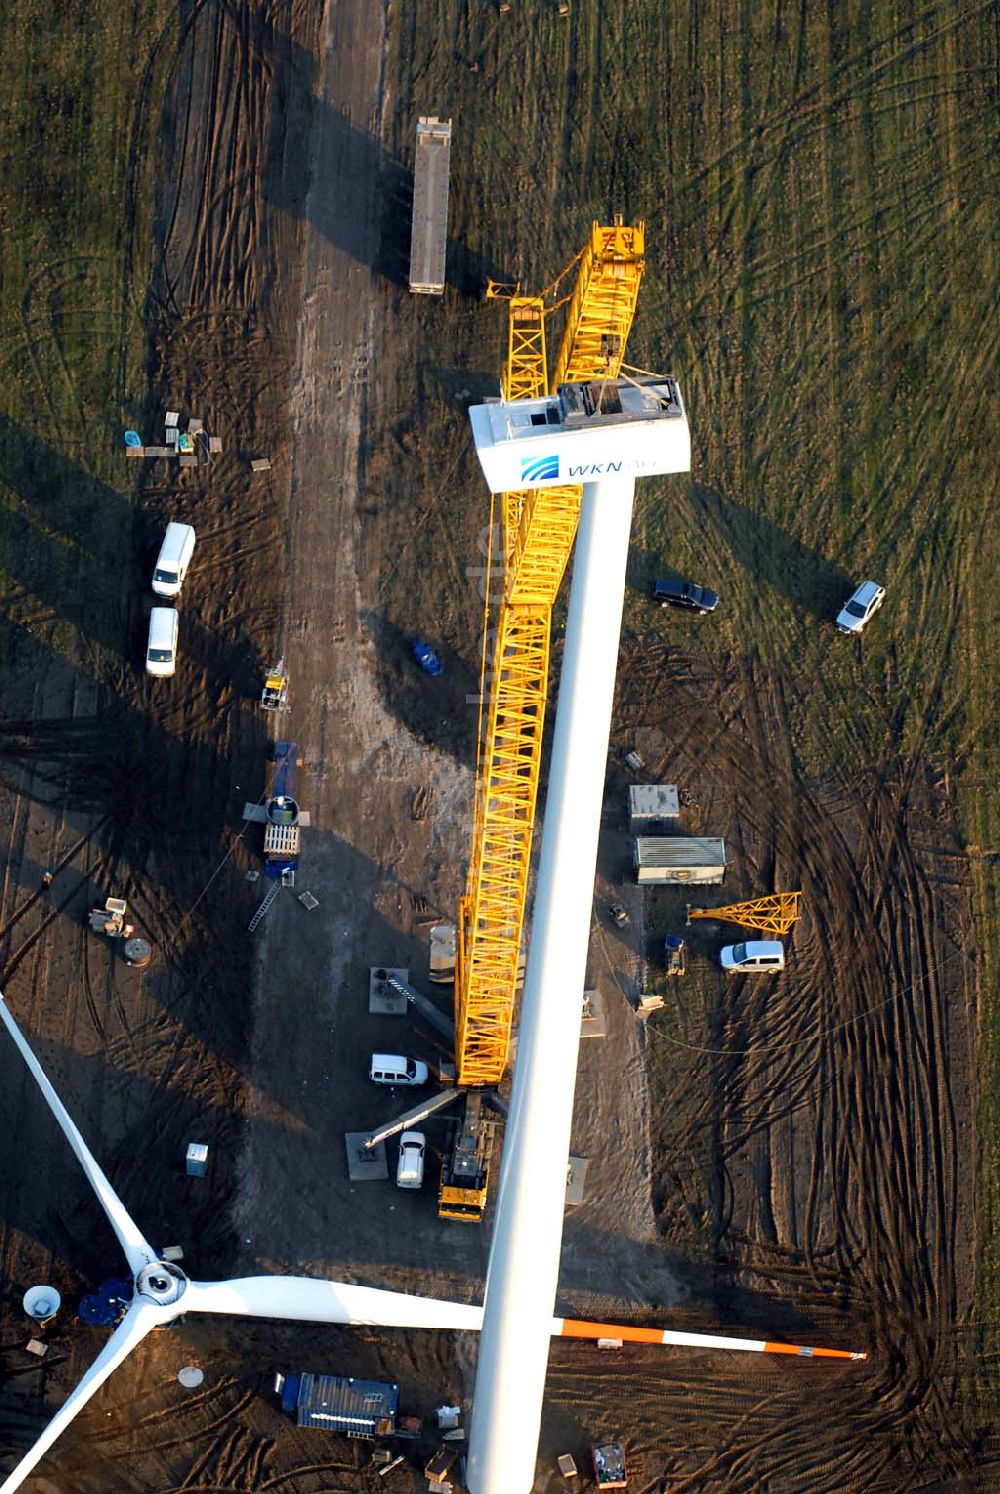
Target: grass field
76 203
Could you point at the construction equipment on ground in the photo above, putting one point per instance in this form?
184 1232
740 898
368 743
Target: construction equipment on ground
538 528
608 1459
274 696
281 817
111 919
772 915
673 951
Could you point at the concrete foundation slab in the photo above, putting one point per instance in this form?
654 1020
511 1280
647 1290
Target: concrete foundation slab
576 1177
364 1166
381 1000
594 1023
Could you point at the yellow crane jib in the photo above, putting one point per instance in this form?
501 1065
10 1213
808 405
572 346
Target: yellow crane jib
774 914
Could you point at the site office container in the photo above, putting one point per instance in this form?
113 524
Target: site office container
355 1408
679 859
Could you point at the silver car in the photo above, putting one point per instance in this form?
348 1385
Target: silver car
410 1167
860 608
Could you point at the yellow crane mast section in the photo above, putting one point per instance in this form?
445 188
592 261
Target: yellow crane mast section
524 373
539 527
768 915
489 933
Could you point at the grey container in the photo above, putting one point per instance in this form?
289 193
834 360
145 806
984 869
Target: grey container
685 860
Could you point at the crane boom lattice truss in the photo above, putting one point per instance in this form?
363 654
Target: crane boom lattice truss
769 915
524 375
538 531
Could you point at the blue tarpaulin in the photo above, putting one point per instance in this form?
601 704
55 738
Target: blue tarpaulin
106 1305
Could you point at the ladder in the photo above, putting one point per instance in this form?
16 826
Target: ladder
261 912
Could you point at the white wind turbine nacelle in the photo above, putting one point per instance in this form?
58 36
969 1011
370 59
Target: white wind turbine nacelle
164 1292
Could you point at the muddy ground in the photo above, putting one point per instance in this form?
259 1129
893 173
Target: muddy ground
794 1160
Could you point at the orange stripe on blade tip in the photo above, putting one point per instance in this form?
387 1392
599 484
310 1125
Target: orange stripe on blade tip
808 1353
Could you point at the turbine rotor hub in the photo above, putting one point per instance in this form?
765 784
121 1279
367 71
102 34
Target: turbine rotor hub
161 1282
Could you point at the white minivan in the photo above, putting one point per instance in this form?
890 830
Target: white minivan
173 560
393 1068
752 955
161 650
410 1167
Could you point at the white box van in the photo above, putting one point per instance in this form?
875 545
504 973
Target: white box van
392 1068
410 1167
752 955
161 650
173 560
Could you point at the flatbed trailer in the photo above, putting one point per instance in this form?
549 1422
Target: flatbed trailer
429 229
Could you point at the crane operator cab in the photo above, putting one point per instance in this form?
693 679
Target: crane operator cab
601 429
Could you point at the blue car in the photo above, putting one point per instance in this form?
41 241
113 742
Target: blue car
426 657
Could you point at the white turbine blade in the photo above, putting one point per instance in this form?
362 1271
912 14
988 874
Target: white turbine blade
576 1328
305 1300
140 1319
138 1251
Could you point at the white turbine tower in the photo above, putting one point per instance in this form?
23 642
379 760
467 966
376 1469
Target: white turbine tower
162 1292
603 435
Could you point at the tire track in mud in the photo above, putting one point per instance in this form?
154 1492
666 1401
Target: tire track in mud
220 256
828 1122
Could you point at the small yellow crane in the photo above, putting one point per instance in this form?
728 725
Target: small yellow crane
774 914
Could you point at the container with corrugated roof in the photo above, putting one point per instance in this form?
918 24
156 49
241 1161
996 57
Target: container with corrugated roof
679 859
355 1408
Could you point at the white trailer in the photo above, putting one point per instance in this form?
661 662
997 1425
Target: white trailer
679 859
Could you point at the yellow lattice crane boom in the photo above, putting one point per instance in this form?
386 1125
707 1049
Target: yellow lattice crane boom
768 915
602 305
538 530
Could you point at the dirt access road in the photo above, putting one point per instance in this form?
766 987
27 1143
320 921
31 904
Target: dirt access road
139 789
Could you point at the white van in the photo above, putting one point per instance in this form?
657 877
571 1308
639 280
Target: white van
392 1068
161 650
410 1167
173 560
752 955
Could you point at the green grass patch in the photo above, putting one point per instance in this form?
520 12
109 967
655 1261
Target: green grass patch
79 118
